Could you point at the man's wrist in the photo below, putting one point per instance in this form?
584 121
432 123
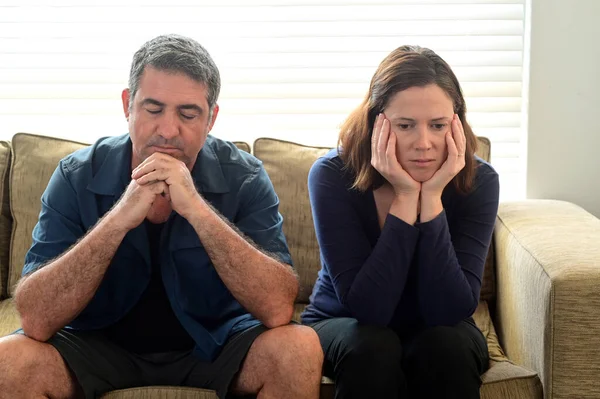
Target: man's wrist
197 210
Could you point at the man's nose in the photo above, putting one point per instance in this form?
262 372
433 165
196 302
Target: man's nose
168 125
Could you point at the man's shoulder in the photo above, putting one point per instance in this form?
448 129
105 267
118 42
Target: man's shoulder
94 155
233 161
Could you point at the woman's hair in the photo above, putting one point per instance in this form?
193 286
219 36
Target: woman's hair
403 68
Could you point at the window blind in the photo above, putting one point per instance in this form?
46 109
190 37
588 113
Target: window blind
290 69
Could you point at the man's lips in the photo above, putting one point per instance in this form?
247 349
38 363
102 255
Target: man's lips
165 149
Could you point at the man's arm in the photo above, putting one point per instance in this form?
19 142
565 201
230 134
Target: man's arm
263 285
50 297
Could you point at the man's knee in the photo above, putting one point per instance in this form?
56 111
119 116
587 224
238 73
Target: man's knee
29 366
19 356
292 347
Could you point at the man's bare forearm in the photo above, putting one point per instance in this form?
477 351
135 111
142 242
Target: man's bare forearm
264 286
51 297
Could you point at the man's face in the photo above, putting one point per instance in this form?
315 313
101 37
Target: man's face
169 114
420 117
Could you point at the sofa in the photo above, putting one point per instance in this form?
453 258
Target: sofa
540 296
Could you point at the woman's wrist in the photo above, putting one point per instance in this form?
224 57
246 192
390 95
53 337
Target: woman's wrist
405 207
431 206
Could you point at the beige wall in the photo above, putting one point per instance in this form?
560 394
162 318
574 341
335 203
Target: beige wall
563 149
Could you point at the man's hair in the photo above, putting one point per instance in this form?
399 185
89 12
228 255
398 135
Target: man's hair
176 54
403 68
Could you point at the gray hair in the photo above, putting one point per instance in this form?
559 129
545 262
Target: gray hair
179 54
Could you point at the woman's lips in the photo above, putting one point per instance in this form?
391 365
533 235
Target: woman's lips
423 162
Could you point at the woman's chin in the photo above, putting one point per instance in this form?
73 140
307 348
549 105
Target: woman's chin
421 176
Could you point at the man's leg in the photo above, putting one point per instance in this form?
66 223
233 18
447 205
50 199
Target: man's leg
33 370
284 362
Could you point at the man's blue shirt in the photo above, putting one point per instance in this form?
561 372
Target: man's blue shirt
87 183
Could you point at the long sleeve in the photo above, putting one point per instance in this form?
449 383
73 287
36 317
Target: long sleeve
368 280
451 257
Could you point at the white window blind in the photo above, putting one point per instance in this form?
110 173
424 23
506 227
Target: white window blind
291 69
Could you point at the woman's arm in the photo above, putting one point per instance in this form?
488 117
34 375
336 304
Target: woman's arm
368 280
452 257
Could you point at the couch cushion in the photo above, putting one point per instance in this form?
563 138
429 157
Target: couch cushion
5 217
161 393
9 318
287 165
34 160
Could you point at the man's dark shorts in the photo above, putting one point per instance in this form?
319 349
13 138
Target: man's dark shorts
101 366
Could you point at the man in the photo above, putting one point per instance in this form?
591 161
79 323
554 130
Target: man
139 272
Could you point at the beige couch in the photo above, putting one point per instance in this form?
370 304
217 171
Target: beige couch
541 290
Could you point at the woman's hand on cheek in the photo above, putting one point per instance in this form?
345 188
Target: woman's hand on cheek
455 161
384 160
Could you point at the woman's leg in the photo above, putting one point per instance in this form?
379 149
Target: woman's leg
446 362
365 361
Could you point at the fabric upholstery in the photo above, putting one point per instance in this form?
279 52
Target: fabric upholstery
548 279
161 393
287 165
5 216
505 380
9 318
34 160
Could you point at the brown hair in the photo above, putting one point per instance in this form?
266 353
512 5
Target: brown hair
403 68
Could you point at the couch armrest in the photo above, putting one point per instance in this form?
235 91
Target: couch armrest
548 293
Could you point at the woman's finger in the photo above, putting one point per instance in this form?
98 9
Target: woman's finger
383 136
375 137
390 152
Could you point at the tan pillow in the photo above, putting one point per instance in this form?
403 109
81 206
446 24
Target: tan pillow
34 160
5 217
287 165
242 146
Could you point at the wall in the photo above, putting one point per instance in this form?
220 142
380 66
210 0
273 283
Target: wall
563 149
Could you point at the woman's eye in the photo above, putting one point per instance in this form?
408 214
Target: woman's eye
403 126
439 126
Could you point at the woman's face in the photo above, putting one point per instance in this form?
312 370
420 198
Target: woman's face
420 117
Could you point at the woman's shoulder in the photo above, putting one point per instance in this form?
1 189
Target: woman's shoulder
329 164
330 169
484 173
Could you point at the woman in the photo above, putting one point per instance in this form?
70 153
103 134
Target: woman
404 213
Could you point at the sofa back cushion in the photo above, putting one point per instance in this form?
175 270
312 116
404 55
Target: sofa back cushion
5 217
34 160
288 165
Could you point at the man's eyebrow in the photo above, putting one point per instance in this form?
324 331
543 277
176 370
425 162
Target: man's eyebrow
192 107
151 101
